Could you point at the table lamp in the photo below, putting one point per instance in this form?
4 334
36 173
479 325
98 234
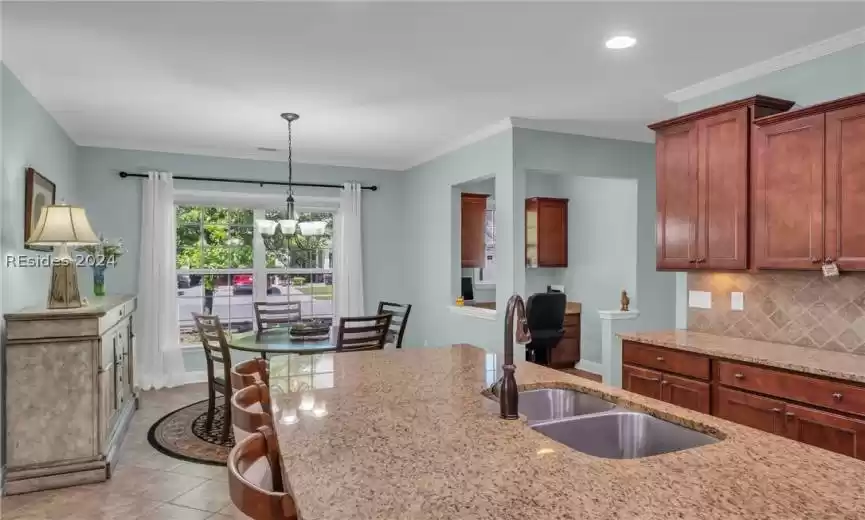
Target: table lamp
61 226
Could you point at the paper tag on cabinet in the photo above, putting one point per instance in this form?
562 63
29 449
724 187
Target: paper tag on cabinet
830 270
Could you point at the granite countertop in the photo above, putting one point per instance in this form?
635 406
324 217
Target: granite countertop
407 434
838 365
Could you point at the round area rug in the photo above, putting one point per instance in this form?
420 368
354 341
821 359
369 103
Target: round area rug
182 435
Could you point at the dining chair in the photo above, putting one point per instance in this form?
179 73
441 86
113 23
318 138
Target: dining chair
269 315
398 322
216 350
248 373
255 482
362 332
250 410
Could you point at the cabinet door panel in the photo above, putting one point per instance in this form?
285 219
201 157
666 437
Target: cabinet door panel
826 430
641 381
722 227
675 226
687 393
845 187
751 410
473 213
789 194
552 233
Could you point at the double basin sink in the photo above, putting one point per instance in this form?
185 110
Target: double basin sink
597 427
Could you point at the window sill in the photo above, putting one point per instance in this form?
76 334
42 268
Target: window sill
474 312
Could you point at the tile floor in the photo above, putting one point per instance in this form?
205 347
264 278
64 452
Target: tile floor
146 485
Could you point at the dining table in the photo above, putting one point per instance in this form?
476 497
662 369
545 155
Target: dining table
279 341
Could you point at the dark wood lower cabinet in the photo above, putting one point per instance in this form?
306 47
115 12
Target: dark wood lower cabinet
751 410
827 430
641 381
822 412
687 393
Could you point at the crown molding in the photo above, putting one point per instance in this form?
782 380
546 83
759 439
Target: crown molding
780 62
474 137
776 104
820 108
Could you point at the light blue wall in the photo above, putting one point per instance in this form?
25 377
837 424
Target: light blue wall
575 155
114 206
31 137
824 79
432 241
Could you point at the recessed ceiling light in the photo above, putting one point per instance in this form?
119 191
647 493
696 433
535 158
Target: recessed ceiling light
621 42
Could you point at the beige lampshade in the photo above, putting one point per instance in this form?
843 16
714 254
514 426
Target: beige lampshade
62 224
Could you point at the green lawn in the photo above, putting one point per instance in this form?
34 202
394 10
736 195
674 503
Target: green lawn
319 292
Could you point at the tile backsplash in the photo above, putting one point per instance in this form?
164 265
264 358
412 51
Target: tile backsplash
802 308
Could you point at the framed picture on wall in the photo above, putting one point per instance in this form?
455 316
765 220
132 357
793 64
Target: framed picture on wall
39 192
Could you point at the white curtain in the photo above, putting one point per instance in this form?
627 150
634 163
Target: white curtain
348 254
159 358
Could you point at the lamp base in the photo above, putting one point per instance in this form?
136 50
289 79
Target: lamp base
63 292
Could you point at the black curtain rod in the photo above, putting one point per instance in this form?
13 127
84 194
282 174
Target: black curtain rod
124 175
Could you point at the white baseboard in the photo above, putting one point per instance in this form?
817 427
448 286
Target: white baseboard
591 366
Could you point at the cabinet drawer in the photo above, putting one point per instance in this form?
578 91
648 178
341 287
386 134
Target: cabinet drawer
572 331
795 387
641 381
572 320
687 393
667 360
751 410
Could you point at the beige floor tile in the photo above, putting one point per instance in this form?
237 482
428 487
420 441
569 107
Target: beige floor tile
211 496
202 470
174 512
83 504
151 484
231 511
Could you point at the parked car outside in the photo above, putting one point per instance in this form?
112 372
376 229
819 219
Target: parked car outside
242 284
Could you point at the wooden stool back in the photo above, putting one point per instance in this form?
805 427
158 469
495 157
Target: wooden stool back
248 373
250 409
255 481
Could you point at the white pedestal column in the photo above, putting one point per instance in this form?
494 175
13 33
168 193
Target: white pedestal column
613 322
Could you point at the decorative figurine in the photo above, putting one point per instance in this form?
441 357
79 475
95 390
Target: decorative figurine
625 301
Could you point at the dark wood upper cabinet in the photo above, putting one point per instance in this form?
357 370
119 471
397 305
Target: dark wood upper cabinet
703 174
809 190
473 207
845 187
546 232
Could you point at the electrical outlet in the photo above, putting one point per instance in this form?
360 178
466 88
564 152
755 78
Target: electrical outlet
737 301
700 299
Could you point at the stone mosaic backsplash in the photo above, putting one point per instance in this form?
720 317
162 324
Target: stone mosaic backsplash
802 308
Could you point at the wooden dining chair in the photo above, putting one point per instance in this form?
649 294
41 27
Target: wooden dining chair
362 332
398 322
269 315
248 373
250 410
255 481
216 351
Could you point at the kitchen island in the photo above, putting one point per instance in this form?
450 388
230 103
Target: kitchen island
407 434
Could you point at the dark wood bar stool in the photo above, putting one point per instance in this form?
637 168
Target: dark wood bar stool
269 315
362 333
262 495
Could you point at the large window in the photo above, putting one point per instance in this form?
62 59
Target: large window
224 264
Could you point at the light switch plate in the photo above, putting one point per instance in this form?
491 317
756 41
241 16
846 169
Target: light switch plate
700 299
737 301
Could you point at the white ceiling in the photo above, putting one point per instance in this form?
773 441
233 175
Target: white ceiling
380 84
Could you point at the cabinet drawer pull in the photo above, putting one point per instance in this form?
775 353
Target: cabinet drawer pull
654 378
664 382
701 260
790 414
660 358
775 410
739 375
815 260
837 396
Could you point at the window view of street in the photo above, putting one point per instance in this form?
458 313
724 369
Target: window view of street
224 264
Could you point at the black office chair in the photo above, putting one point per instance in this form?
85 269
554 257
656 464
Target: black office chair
546 316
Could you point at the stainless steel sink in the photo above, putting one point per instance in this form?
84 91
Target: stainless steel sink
622 435
547 404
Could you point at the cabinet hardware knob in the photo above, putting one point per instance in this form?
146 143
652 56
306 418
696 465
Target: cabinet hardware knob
815 260
660 358
837 396
775 410
692 260
739 375
663 382
701 260
829 259
790 414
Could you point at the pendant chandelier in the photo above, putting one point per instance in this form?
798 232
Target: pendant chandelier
290 224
